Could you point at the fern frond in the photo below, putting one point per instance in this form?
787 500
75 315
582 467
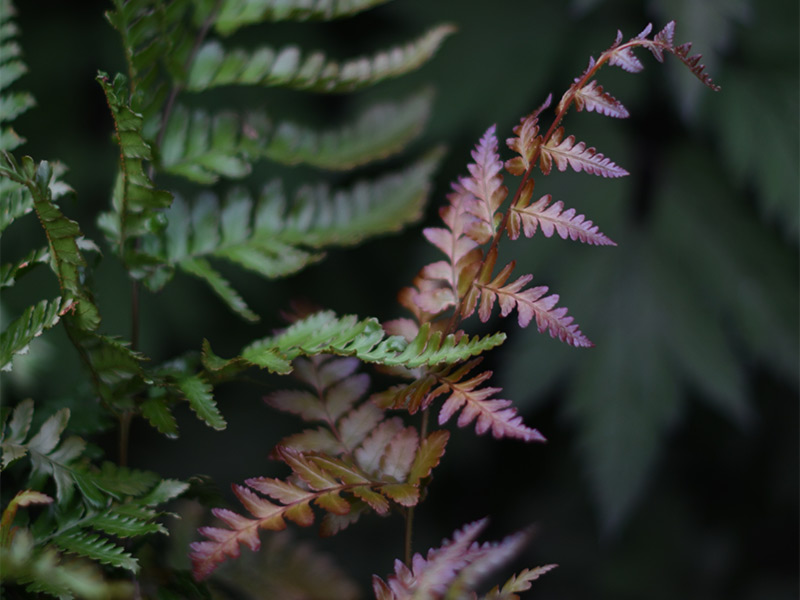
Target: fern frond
137 205
62 234
10 272
485 185
96 548
267 238
203 148
521 582
530 303
591 97
386 469
234 14
18 335
214 66
12 104
324 333
379 132
16 199
565 152
527 141
552 218
42 571
478 404
450 571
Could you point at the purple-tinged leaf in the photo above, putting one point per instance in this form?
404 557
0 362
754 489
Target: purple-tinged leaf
399 454
591 97
553 218
565 152
368 456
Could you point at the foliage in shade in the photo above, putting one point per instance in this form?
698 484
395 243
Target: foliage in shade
234 14
12 104
290 67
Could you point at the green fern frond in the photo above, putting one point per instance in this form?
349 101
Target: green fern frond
380 131
325 333
267 238
10 272
42 571
234 14
137 205
18 335
12 104
62 234
97 548
215 66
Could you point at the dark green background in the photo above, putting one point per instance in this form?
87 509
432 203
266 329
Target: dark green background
671 469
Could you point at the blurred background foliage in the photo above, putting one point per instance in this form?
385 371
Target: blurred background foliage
672 466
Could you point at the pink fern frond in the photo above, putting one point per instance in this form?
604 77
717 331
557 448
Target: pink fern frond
565 152
591 97
553 218
478 404
485 182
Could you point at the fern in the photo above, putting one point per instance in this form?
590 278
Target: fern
372 461
234 14
12 104
453 569
289 67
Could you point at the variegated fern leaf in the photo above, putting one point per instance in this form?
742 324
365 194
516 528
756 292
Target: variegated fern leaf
357 460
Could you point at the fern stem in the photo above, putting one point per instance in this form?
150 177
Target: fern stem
408 536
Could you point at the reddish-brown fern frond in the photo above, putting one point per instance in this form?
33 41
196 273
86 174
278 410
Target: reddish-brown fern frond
564 151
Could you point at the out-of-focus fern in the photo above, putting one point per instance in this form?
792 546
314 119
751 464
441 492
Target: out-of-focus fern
113 503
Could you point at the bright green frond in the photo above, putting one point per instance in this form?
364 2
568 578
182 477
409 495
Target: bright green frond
290 67
234 14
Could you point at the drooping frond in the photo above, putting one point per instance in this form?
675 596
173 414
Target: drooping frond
450 571
18 334
592 97
12 104
62 234
552 218
234 14
385 468
565 152
215 65
138 206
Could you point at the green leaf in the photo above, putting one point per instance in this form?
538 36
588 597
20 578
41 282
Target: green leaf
158 414
234 14
10 272
21 332
96 548
214 66
199 394
325 333
12 104
137 205
380 131
62 235
203 148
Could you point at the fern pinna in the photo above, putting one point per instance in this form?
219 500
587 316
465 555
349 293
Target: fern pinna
341 457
